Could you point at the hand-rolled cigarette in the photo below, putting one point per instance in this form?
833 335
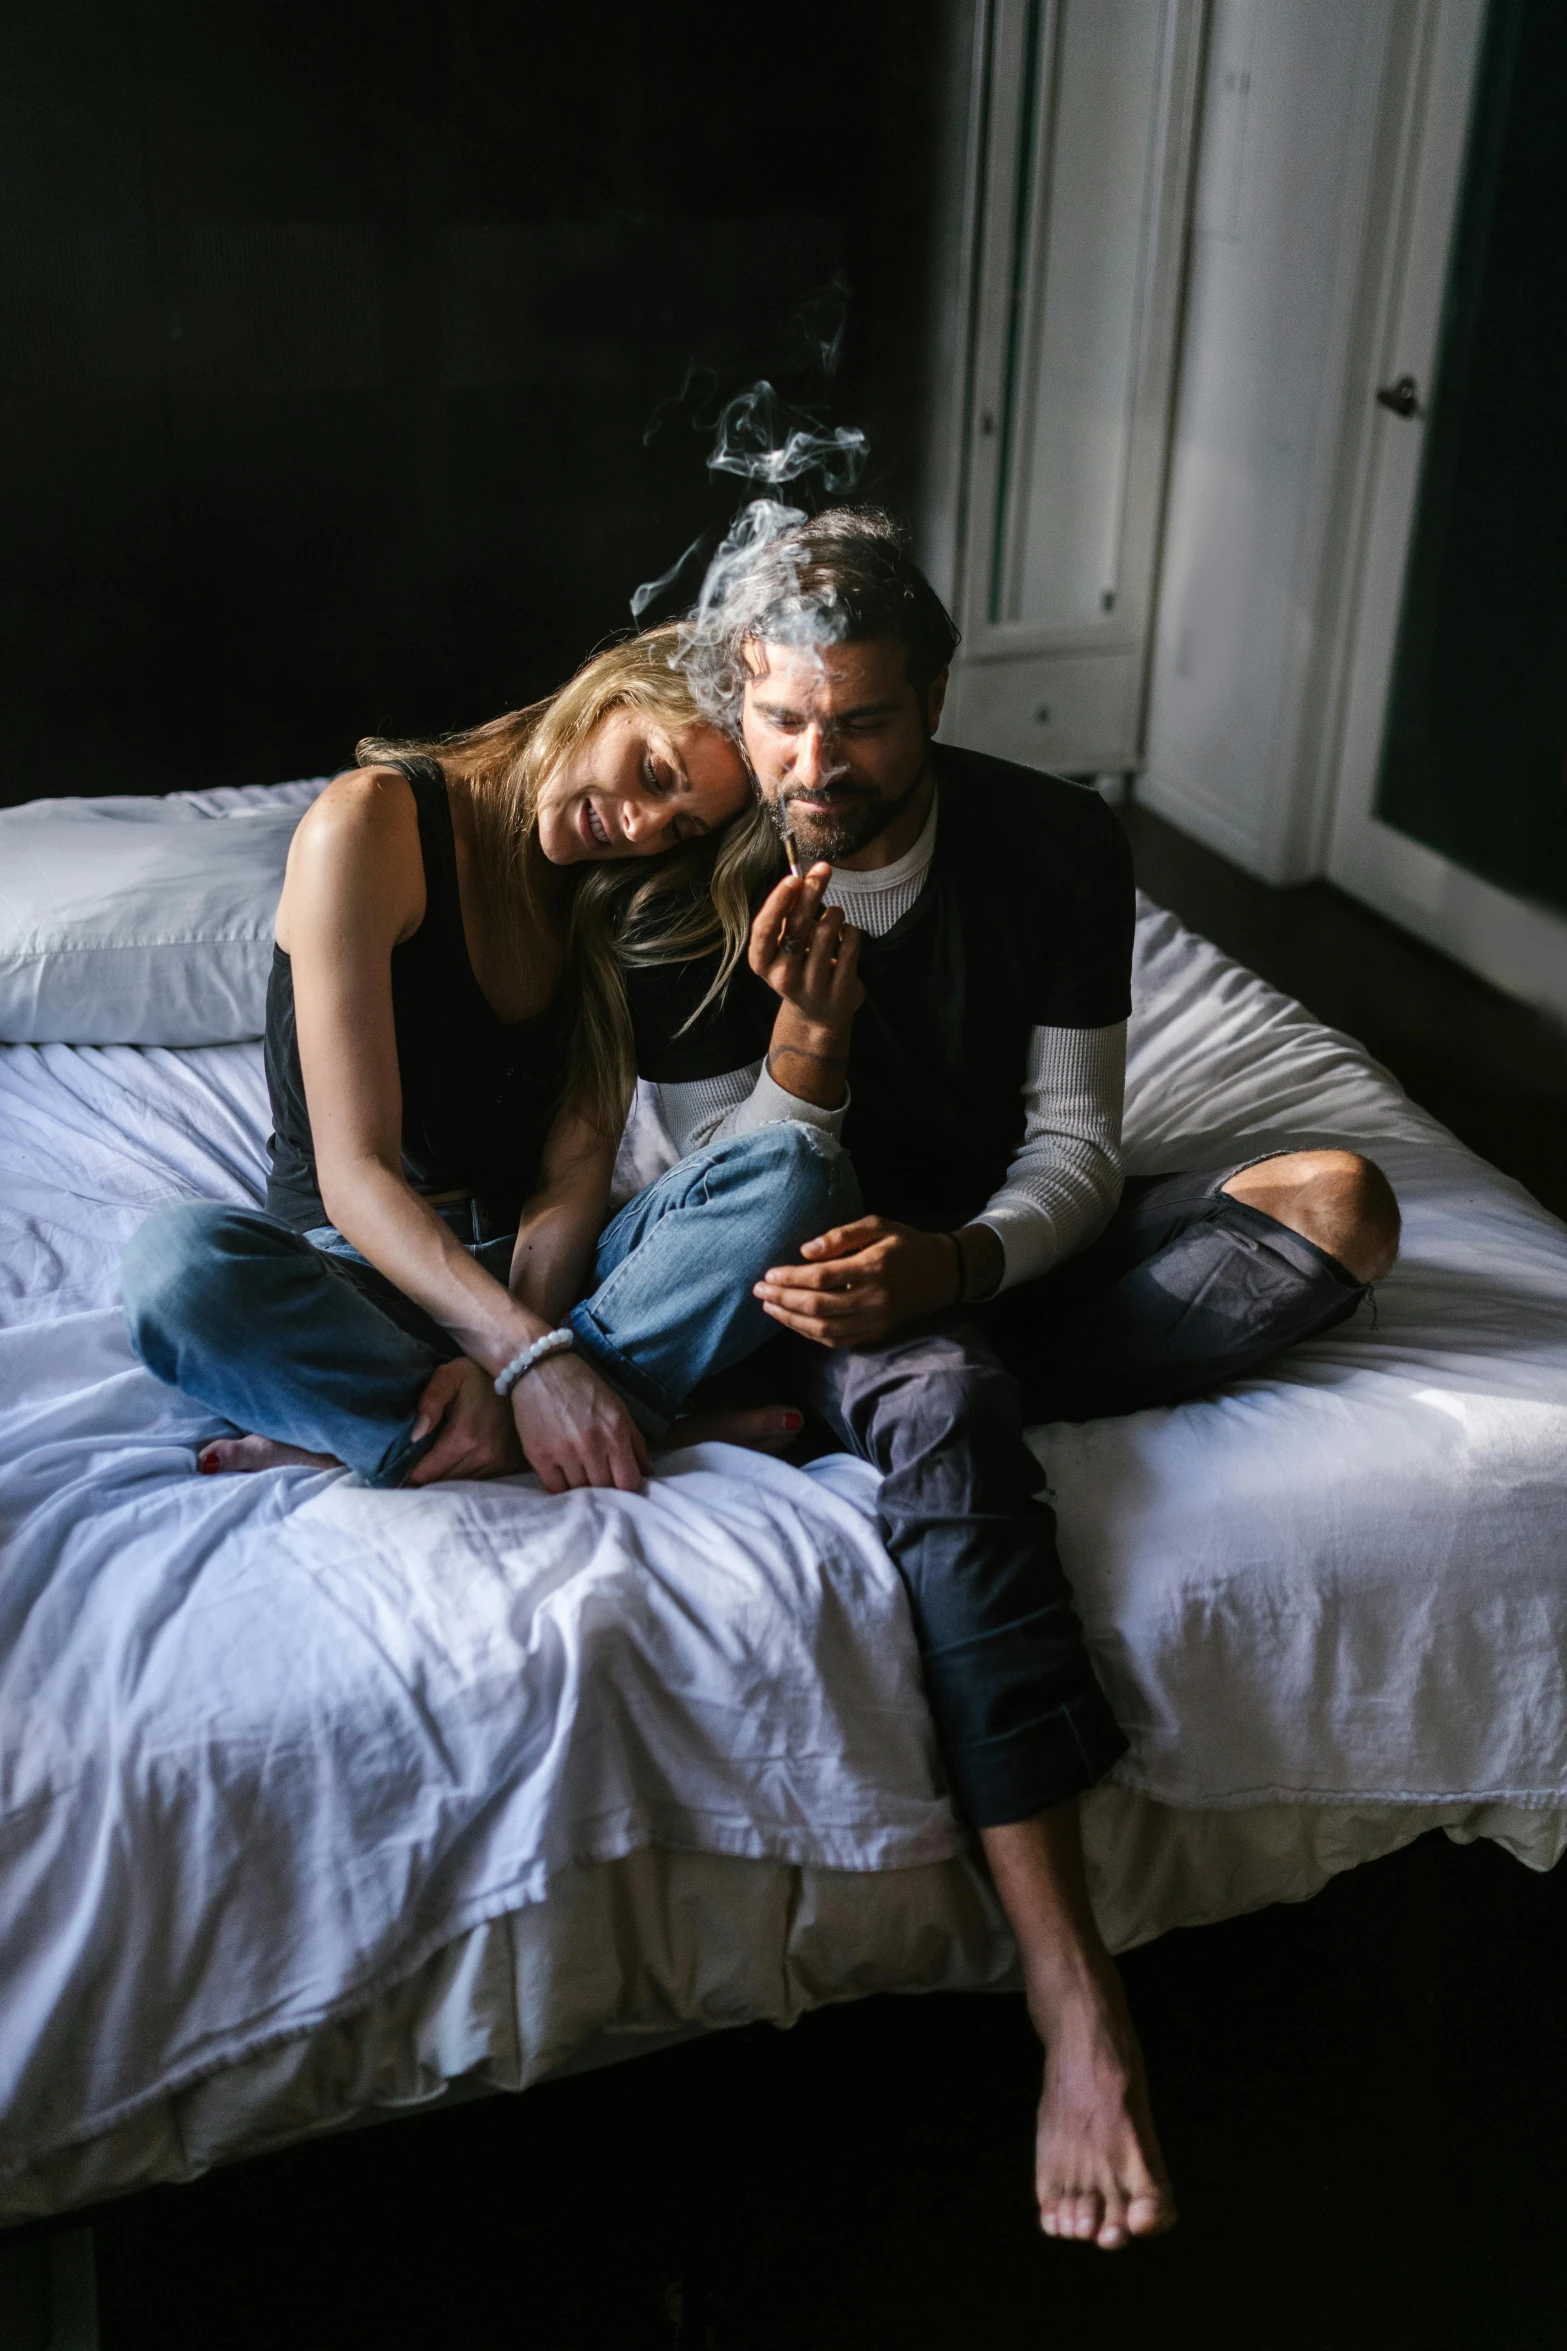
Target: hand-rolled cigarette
791 851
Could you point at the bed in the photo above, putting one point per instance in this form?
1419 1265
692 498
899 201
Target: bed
319 1803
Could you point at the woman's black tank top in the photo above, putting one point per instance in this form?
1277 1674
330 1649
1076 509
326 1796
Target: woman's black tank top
479 1092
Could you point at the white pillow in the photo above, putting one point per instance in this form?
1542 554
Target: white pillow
142 921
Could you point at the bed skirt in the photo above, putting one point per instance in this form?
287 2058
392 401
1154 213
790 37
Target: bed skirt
628 1956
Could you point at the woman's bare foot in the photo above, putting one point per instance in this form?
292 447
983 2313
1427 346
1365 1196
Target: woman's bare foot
246 1453
767 1428
1098 2172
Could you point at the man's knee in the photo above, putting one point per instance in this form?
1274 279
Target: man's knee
803 1174
936 1405
1339 1200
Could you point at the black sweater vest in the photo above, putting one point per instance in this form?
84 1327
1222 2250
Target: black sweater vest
1025 921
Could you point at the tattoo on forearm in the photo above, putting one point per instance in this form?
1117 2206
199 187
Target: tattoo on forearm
799 1053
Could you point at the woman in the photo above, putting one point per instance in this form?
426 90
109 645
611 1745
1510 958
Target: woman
449 1057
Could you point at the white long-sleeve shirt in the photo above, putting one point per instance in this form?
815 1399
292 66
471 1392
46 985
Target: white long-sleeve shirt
1065 1176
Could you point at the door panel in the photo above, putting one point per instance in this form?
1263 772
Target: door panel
1074 713
1071 387
1089 109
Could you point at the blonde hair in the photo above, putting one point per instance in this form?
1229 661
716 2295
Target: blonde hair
686 903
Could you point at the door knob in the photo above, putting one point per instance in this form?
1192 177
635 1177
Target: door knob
1402 398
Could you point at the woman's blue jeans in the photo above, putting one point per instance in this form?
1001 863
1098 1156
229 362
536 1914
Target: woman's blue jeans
296 1337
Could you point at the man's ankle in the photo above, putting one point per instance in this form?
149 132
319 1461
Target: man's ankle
1068 1987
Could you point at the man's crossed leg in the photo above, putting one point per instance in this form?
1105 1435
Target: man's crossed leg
1198 1279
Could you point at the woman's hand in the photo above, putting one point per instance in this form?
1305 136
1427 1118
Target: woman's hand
561 1420
865 1280
575 1430
477 1436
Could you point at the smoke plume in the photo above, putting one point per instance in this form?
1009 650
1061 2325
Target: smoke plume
761 438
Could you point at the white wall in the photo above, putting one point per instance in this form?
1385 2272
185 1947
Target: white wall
1268 404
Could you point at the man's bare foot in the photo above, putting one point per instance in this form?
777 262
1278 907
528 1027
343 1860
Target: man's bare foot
1098 2172
768 1428
229 1454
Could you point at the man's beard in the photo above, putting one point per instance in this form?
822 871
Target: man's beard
843 831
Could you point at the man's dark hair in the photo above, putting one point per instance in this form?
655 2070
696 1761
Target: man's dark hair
836 578
854 568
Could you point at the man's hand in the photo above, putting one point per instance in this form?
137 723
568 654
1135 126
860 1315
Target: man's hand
863 1280
477 1438
807 954
574 1429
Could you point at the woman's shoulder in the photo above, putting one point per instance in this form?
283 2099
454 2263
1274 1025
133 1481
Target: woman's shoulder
362 800
368 812
359 839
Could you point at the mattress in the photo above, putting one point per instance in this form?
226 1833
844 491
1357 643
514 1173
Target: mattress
316 1801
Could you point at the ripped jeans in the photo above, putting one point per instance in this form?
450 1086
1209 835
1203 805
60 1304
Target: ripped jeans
1185 1289
294 1336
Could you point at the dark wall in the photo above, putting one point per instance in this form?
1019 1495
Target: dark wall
329 334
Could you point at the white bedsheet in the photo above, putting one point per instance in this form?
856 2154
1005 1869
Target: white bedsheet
1346 1581
268 1743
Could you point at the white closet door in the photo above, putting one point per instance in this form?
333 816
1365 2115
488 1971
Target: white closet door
1523 947
1088 108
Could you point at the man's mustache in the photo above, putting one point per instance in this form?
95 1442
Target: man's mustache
832 793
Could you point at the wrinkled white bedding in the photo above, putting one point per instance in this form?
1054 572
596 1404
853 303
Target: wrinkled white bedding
270 1741
1347 1580
272 1746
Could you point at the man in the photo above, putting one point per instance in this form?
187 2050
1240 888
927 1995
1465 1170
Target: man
947 989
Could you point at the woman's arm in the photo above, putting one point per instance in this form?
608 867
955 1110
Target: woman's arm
552 1264
354 888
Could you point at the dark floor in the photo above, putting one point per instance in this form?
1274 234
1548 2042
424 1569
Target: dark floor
1359 2097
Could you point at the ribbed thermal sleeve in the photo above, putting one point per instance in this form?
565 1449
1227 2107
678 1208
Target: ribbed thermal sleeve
1065 1178
712 1110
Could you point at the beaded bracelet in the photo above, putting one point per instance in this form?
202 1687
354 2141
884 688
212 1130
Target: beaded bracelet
552 1343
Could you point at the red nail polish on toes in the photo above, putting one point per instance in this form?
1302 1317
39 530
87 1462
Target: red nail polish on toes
794 1421
207 1463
